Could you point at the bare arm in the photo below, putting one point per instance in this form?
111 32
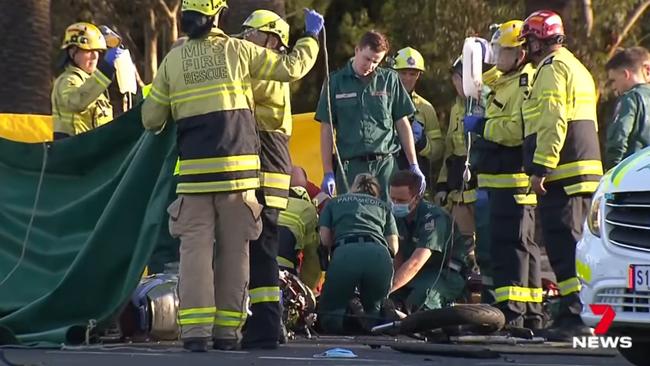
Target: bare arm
403 128
326 237
410 268
326 147
398 261
393 243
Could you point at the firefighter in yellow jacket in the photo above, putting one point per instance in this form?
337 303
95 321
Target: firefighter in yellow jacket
273 115
561 155
205 85
449 189
452 192
427 135
79 97
514 263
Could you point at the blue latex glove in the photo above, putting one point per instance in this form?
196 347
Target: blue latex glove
112 54
474 124
418 130
329 183
313 22
423 183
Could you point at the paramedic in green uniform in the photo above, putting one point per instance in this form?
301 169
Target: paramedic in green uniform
361 230
429 265
629 130
370 110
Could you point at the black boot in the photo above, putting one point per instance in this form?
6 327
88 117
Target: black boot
195 344
226 344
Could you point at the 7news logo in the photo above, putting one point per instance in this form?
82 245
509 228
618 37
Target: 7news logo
600 340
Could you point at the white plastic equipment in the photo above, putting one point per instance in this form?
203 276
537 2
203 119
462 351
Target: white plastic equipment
125 74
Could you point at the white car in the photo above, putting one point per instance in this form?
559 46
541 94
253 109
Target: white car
613 257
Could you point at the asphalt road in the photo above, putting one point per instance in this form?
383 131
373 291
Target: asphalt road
302 353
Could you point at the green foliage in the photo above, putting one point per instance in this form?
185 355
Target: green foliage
435 27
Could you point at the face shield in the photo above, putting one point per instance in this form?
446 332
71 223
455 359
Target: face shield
506 58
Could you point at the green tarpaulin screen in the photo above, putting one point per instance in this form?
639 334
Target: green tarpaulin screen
100 214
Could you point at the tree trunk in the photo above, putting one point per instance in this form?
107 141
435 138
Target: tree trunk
25 65
239 10
150 46
171 14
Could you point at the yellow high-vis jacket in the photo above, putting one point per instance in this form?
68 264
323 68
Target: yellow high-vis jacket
451 173
205 86
79 100
274 122
301 218
433 146
560 125
501 165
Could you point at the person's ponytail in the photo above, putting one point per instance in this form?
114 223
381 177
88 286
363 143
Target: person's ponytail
195 24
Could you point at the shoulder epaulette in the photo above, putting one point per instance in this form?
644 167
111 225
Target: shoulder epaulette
548 61
523 79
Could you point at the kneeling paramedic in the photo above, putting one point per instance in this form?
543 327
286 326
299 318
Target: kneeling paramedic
216 213
363 230
431 260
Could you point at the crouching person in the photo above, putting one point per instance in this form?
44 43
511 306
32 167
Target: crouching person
430 264
362 231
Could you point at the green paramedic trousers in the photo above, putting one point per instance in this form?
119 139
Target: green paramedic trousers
366 266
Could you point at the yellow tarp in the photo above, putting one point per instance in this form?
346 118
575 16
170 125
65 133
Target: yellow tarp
304 146
25 127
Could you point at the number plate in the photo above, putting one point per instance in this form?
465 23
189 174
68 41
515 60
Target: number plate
639 277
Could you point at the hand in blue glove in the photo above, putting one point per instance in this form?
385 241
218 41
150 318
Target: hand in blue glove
329 184
112 54
313 22
423 183
474 124
418 130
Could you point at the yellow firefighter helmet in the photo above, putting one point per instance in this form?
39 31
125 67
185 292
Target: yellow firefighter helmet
409 58
508 34
85 36
205 7
268 21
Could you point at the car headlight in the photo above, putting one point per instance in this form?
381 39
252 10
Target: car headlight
593 220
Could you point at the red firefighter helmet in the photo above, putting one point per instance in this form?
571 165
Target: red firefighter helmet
542 24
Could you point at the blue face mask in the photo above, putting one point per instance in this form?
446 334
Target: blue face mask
400 210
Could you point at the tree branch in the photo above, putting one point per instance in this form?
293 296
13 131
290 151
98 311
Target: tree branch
632 20
588 13
170 12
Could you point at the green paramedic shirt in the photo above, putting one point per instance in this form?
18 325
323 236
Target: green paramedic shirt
430 229
629 131
356 214
364 111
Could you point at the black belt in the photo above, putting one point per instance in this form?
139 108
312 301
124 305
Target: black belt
371 157
455 266
352 239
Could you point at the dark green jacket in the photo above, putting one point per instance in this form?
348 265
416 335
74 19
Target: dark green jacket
629 131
